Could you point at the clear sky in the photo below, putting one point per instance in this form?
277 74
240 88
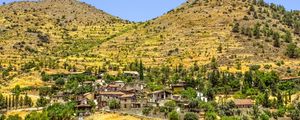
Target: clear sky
142 10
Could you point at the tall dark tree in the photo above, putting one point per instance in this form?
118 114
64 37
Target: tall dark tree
276 38
2 102
141 70
297 27
288 37
256 31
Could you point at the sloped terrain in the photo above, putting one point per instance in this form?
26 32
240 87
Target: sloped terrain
53 28
236 32
199 30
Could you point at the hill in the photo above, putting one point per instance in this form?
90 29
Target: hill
200 30
66 33
53 29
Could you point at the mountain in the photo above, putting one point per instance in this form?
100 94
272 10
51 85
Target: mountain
199 30
53 28
239 33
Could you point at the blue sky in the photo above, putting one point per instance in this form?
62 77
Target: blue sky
142 10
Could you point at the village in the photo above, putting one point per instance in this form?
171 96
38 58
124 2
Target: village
133 98
198 92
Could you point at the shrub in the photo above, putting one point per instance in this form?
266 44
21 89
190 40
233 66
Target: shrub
146 111
190 116
114 104
173 115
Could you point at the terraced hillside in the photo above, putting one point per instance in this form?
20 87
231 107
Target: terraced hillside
53 29
238 33
201 29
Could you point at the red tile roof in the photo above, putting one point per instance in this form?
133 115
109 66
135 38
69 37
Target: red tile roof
111 93
243 102
127 95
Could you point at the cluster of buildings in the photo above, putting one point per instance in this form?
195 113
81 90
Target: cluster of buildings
132 95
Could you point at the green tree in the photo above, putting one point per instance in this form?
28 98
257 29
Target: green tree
173 115
146 111
2 102
255 112
2 117
190 93
256 30
37 116
210 116
27 101
17 90
59 111
14 117
170 105
114 104
292 51
288 37
42 102
191 116
264 116
60 82
297 27
141 70
276 38
236 28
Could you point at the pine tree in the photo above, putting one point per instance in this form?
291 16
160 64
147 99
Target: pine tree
141 70
21 101
297 27
17 101
9 102
288 37
279 100
6 101
13 101
276 39
2 101
256 31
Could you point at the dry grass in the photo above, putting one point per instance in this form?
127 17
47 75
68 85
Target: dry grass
22 114
113 116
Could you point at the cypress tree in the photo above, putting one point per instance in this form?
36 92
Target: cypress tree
141 70
9 102
21 101
256 31
276 39
13 101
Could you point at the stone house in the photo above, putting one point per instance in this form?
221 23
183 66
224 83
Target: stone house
103 97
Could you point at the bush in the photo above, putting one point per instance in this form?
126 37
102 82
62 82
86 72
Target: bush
173 115
190 116
14 117
42 102
170 105
254 67
146 111
292 51
114 104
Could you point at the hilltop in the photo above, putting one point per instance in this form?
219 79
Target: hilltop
199 30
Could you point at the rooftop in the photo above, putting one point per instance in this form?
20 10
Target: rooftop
111 93
243 102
